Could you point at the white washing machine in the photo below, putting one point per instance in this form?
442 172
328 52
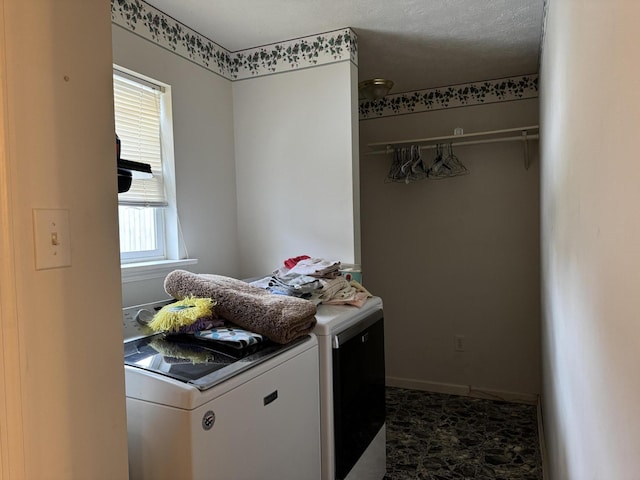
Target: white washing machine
352 394
197 411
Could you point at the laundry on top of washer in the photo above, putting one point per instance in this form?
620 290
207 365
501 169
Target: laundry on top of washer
187 315
280 318
231 336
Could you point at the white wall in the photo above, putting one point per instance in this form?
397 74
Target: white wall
590 113
456 256
63 382
295 166
204 158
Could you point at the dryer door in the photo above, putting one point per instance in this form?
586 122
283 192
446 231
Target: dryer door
358 390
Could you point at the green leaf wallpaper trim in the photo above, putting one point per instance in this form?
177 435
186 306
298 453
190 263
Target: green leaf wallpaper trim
309 51
490 91
148 22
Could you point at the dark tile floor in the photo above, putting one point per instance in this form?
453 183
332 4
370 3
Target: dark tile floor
433 436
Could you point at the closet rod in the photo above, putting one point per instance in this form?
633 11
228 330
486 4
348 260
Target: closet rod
389 148
523 130
523 138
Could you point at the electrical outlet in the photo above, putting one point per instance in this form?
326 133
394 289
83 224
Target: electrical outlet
458 343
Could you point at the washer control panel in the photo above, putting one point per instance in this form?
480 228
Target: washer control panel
133 318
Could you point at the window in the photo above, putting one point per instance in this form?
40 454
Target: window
142 118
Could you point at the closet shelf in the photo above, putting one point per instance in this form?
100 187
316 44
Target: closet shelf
522 134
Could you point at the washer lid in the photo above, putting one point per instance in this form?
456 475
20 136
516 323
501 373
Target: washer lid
202 364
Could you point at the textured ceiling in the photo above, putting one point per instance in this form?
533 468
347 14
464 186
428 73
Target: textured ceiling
418 44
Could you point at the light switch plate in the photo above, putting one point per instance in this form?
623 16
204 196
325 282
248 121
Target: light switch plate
51 238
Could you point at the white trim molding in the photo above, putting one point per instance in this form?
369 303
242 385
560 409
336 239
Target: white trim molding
541 440
135 272
463 390
12 449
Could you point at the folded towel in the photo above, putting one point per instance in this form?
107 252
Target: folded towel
277 317
339 291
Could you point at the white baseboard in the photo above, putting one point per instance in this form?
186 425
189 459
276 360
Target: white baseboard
541 442
463 390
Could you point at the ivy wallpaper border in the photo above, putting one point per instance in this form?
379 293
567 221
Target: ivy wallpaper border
154 25
490 91
320 49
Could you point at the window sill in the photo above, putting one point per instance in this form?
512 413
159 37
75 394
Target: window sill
135 272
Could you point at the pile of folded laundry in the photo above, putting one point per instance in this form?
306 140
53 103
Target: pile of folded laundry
314 279
280 307
279 318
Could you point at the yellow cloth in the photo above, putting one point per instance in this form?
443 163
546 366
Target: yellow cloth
181 314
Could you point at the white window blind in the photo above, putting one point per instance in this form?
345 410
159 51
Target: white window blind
137 117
